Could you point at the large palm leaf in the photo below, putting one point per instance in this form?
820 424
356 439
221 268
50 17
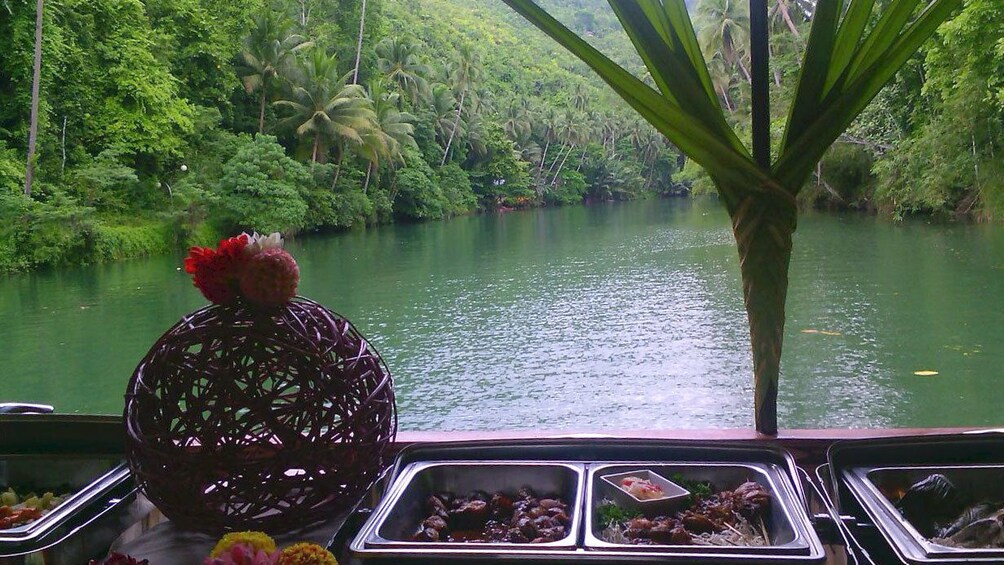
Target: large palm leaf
847 61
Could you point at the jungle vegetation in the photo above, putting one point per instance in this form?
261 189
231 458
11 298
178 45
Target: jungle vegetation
167 123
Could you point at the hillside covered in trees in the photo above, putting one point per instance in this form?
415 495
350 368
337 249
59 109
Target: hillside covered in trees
166 123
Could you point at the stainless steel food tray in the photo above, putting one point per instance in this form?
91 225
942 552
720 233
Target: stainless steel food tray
81 454
81 477
399 513
859 467
589 453
866 482
787 526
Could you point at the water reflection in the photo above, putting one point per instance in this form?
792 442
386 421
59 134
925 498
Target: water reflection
609 316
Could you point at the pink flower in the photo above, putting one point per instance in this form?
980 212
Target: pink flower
241 554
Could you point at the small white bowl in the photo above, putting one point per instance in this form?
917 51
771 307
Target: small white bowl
673 494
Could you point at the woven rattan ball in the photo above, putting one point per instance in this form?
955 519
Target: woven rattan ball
244 419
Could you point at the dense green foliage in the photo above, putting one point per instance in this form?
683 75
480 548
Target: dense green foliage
153 112
170 122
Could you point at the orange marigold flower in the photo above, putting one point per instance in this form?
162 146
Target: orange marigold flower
307 554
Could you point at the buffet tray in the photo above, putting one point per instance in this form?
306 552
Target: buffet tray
773 465
786 535
861 468
98 489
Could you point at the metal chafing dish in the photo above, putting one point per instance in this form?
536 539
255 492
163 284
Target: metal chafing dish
394 523
795 540
43 452
787 534
866 473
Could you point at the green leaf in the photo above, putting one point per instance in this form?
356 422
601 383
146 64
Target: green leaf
886 31
841 108
704 145
848 38
674 71
818 53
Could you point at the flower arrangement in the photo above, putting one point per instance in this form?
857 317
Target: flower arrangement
257 548
257 541
253 268
289 384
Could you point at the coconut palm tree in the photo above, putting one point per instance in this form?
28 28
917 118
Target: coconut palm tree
465 74
549 125
442 104
573 132
268 52
398 61
516 121
724 31
394 130
324 106
847 61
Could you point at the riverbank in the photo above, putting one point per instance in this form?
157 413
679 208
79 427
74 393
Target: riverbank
38 235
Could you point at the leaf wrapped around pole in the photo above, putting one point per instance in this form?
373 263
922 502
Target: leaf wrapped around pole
763 227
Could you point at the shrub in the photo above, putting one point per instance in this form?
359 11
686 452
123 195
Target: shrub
261 188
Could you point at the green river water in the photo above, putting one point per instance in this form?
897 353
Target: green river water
620 316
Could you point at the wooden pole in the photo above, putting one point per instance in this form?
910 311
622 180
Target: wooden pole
760 81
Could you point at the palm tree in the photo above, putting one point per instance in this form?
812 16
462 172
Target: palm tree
574 132
393 131
465 73
549 134
442 104
725 30
268 51
324 106
398 61
516 120
36 77
789 10
847 62
721 80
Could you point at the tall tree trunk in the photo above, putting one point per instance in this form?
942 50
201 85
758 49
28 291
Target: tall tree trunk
557 159
261 109
651 173
728 102
777 71
582 158
317 145
787 18
369 173
543 158
745 71
29 173
558 172
456 124
763 224
338 167
62 147
359 43
303 13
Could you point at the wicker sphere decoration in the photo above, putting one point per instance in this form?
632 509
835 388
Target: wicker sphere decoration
240 418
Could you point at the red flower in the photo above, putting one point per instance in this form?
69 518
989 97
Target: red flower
216 271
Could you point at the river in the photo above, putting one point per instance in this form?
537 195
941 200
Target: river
619 316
